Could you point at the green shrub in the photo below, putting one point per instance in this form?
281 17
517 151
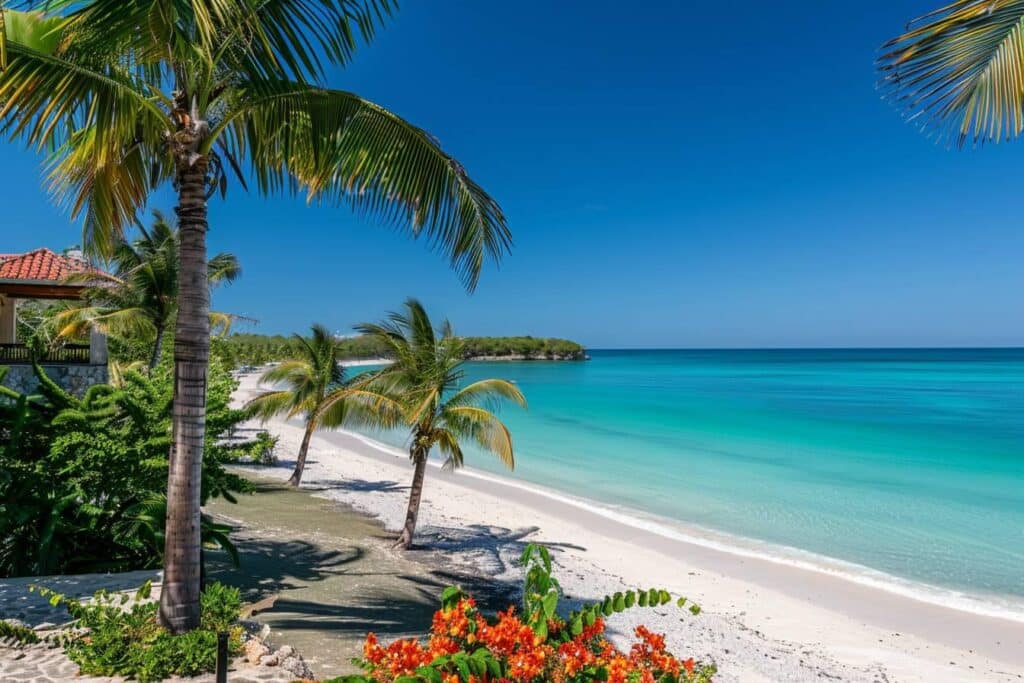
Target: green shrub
541 645
77 475
20 634
115 636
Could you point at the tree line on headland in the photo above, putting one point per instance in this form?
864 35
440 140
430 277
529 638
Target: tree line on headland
257 349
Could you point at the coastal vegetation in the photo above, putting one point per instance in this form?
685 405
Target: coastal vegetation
204 91
539 645
257 349
138 300
79 476
956 71
120 636
421 391
307 386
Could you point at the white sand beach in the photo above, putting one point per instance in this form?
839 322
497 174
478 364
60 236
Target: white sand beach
762 620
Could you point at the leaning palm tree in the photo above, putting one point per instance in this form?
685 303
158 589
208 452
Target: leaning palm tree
139 298
310 386
132 95
421 390
957 71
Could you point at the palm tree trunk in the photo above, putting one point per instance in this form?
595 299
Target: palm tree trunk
179 597
300 463
419 457
157 347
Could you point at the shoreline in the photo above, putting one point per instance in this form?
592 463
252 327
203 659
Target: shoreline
995 606
858 630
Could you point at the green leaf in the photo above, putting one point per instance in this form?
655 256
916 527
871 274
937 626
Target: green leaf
550 603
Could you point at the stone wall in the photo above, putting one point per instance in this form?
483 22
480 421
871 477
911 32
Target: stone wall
73 378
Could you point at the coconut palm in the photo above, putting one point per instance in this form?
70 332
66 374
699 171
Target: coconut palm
957 70
139 299
132 95
309 381
421 390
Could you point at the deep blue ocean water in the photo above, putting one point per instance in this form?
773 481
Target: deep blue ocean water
906 462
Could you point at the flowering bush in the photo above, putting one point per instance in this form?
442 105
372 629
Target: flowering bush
464 646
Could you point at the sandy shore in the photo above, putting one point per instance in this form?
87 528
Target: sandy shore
762 621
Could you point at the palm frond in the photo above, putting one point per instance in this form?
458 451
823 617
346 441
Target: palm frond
487 392
484 427
959 71
448 443
365 407
294 36
128 322
223 267
101 163
343 149
272 403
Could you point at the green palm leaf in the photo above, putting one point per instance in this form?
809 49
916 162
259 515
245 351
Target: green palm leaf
959 71
342 149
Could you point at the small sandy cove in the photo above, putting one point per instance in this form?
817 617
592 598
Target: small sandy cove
761 620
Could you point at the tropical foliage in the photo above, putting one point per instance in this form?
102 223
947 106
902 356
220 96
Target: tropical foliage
420 390
82 480
138 300
541 645
256 349
133 95
302 387
119 635
957 71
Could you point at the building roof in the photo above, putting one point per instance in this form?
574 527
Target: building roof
40 265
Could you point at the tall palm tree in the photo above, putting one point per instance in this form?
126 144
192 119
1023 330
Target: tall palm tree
309 380
132 95
140 297
421 390
957 70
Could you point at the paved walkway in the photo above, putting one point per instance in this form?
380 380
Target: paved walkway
43 664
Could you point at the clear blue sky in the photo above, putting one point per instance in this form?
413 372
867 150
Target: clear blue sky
675 175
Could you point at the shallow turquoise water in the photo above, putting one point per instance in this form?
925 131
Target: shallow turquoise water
909 462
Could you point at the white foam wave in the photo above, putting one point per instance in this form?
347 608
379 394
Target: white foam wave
985 605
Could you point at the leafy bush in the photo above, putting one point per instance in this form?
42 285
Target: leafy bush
20 634
540 646
115 636
77 475
262 449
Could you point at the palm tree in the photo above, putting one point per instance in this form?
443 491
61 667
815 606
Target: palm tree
132 95
957 70
140 298
310 381
421 390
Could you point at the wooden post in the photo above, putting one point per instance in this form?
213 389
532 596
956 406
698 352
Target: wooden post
222 657
8 324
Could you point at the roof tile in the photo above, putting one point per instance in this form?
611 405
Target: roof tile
39 264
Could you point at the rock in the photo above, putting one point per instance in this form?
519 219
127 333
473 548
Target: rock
285 652
268 660
297 666
265 632
255 650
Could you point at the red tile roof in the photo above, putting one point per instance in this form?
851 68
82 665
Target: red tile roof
39 265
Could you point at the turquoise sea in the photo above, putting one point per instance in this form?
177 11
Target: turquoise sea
905 466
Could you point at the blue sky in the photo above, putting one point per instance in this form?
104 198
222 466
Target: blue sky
675 175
